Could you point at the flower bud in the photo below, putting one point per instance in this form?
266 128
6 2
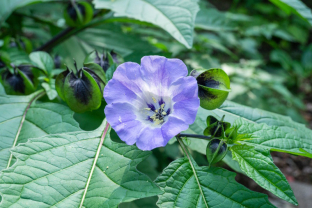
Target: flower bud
212 127
2 64
21 43
213 87
105 60
231 134
57 61
211 151
22 81
78 14
83 90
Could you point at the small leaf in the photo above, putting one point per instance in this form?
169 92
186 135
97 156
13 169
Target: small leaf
262 170
177 17
43 61
214 187
50 89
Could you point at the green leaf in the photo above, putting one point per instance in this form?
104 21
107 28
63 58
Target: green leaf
43 61
214 187
43 119
212 19
295 7
78 169
141 203
106 36
8 6
274 138
234 111
13 112
262 170
50 89
176 16
18 57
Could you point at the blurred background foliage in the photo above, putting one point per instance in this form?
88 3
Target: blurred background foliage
265 48
267 52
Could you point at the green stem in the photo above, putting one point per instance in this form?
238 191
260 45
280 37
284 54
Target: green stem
195 136
65 34
193 168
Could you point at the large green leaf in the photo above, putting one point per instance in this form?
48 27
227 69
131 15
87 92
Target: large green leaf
233 111
43 119
13 112
262 170
175 16
78 169
298 135
296 7
22 119
203 187
299 138
8 6
274 138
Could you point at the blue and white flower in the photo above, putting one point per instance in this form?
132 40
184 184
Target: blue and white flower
151 103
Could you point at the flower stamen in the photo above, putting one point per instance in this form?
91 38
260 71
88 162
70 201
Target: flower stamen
159 114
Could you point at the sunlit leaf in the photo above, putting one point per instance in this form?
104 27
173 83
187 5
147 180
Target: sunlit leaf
175 16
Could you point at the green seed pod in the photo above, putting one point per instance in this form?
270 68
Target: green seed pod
78 14
82 91
23 80
212 127
211 151
213 87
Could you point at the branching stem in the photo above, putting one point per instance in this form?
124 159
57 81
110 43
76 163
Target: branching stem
195 136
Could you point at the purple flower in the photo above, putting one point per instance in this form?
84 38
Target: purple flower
151 103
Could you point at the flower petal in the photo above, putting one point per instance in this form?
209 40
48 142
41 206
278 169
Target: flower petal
117 113
172 127
183 89
129 75
129 131
150 138
160 71
116 92
186 110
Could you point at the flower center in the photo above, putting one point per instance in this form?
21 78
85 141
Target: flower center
157 111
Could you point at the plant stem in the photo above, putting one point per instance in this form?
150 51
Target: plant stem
192 166
48 45
63 35
195 136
